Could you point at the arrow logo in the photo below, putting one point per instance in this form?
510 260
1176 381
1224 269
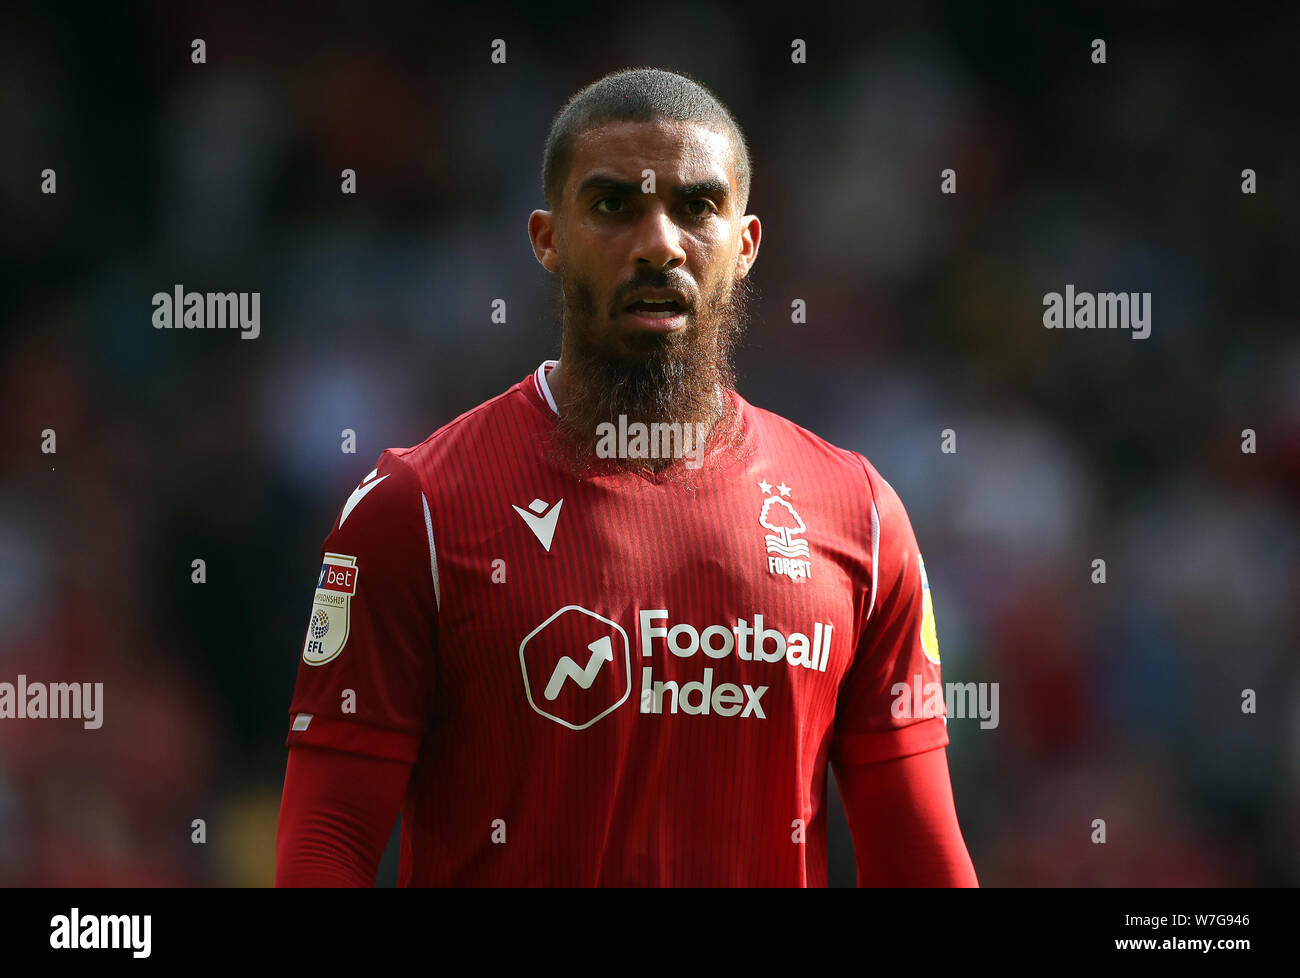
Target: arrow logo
602 651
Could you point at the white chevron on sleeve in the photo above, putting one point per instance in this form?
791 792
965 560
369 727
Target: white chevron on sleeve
359 493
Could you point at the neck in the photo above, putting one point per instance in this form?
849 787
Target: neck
701 427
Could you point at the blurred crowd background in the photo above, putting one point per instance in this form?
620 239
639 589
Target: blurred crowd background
1119 701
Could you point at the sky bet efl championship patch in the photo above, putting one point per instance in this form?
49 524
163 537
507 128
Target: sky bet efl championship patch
929 636
327 629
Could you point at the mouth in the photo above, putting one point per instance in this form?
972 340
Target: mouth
661 314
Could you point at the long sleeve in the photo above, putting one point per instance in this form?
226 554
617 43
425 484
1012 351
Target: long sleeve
336 814
904 823
365 678
889 753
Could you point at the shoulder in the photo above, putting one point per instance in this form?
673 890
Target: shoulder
493 420
876 506
399 488
784 438
476 445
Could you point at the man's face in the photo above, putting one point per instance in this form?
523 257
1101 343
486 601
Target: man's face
618 241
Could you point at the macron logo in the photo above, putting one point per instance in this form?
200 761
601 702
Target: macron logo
543 526
602 651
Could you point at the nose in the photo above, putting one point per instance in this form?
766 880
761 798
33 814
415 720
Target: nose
659 244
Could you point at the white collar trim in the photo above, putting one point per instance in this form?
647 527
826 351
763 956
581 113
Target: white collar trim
543 388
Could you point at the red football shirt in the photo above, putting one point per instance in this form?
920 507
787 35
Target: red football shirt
620 680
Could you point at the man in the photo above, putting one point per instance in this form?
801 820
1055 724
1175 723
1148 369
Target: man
610 627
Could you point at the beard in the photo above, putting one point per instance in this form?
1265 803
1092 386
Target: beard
682 378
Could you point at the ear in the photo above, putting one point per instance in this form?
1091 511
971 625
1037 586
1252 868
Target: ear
751 232
541 231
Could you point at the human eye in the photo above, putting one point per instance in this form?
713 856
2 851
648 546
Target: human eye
605 200
704 211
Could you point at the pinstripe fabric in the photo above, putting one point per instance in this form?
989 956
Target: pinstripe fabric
593 786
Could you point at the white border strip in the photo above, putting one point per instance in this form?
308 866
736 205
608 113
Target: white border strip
875 556
433 553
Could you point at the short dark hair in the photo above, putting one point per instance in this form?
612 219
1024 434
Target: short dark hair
638 95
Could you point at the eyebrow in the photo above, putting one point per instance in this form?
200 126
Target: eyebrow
603 181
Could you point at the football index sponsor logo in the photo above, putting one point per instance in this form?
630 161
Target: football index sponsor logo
328 627
718 642
577 668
